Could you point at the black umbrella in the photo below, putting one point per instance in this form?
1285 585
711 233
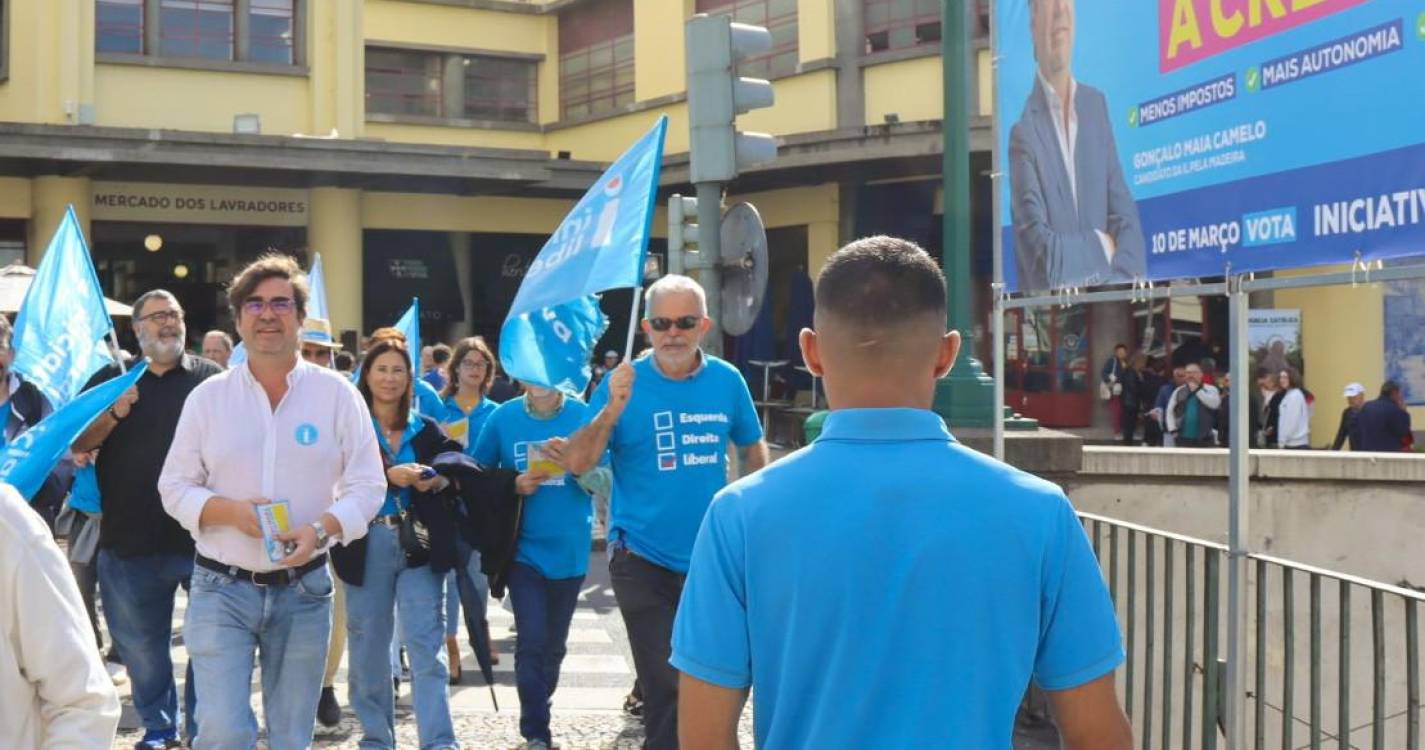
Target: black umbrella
457 466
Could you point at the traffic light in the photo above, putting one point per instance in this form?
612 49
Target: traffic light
682 230
716 96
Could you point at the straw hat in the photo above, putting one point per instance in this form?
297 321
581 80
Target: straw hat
319 333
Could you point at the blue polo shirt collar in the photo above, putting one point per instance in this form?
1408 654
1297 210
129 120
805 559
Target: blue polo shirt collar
884 425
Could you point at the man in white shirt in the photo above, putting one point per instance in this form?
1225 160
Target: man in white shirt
54 692
275 428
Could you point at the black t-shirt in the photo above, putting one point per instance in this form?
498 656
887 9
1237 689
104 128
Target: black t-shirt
130 460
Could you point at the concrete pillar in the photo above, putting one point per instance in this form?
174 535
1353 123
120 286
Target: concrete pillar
460 252
336 55
50 197
823 239
850 46
334 230
1110 324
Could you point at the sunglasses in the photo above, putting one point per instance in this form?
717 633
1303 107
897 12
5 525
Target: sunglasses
685 323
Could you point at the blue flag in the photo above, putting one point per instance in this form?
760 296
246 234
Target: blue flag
60 330
555 321
410 325
32 455
317 303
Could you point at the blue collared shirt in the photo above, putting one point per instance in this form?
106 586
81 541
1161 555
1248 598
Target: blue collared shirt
887 556
397 498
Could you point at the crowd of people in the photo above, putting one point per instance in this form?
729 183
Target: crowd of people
411 494
1189 406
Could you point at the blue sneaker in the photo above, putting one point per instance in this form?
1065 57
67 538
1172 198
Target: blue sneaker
159 739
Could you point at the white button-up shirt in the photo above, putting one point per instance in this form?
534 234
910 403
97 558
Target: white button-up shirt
316 450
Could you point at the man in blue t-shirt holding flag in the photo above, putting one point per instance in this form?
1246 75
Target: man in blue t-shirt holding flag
887 560
668 442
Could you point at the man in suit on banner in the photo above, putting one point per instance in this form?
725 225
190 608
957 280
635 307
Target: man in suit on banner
1075 222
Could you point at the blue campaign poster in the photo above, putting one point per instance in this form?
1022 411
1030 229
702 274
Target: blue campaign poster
1165 139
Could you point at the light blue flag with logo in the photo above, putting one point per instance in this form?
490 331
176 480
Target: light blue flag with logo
555 321
33 454
317 280
60 330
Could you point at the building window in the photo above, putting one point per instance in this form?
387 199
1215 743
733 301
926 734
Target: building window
258 31
901 24
196 28
499 89
271 26
450 86
596 58
119 26
779 17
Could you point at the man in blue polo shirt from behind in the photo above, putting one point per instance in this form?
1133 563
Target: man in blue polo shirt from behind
668 442
888 559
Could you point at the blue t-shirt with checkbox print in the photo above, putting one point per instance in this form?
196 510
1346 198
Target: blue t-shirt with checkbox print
669 454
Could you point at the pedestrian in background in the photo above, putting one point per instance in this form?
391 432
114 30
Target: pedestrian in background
470 372
436 376
1384 424
54 692
1355 395
218 347
552 553
1192 410
278 428
1294 412
1269 383
1159 413
22 406
1110 387
938 624
668 441
144 554
1132 391
385 574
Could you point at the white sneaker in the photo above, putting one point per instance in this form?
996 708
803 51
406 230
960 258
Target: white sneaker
536 745
117 674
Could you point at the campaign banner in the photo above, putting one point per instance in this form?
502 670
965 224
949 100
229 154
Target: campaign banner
1169 139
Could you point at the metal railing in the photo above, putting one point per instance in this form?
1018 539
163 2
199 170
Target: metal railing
1310 676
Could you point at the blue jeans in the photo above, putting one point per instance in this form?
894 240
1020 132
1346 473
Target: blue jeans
466 587
138 597
286 627
419 593
543 610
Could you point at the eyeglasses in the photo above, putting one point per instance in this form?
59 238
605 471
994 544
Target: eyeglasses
278 305
685 323
163 317
474 365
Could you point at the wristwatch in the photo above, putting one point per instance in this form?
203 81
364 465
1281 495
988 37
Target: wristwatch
115 415
322 536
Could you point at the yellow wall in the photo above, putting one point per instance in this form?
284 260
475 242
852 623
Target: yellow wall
985 75
817 208
658 47
47 62
1343 341
455 136
804 104
14 198
451 26
816 32
449 213
141 97
911 89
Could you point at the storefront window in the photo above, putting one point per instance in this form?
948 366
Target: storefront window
119 26
901 24
779 17
596 58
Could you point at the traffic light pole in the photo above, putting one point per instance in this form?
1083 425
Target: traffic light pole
709 254
966 397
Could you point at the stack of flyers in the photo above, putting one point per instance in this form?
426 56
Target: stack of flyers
538 462
276 518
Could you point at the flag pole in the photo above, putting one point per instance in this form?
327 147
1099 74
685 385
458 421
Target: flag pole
632 324
118 353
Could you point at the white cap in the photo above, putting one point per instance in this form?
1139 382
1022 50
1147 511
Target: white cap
610 353
1355 389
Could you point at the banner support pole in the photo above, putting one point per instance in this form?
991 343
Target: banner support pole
632 324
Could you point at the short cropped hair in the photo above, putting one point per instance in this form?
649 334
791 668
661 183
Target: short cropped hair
273 265
674 283
1388 389
440 354
227 340
152 294
880 281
